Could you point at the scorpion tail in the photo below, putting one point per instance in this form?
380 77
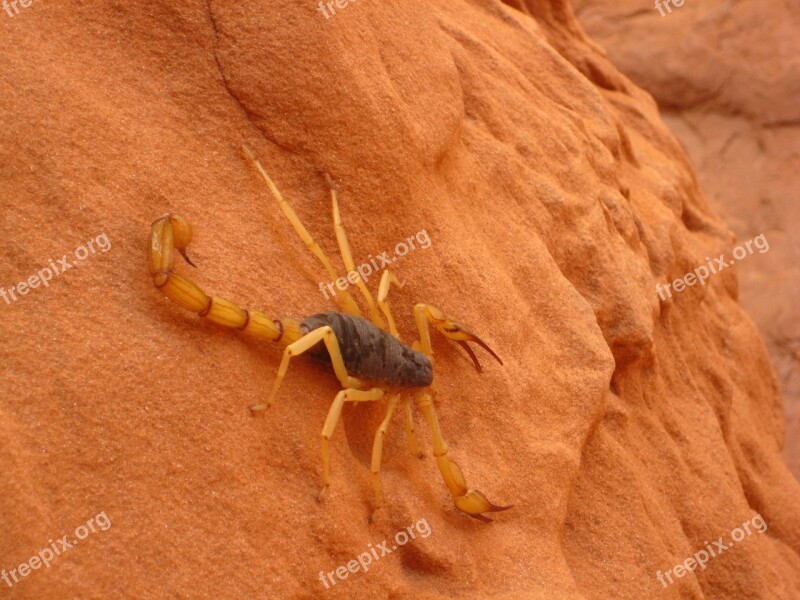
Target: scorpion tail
171 233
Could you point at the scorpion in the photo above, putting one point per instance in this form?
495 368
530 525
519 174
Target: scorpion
367 356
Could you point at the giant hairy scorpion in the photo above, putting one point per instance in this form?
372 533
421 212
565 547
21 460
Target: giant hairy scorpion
367 355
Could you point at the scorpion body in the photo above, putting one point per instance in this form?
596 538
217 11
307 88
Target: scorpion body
370 352
366 355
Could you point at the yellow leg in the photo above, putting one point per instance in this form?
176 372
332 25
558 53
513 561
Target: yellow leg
347 258
377 453
345 300
172 232
383 292
425 314
410 434
468 500
347 395
322 334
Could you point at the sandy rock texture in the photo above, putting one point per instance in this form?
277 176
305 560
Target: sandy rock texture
727 77
628 432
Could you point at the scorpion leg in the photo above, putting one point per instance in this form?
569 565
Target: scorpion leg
468 500
347 258
425 314
322 334
383 292
346 395
344 299
377 453
410 435
172 232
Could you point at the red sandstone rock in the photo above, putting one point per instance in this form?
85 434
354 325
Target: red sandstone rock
728 78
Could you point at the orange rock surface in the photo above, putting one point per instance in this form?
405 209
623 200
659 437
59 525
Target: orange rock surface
729 92
628 432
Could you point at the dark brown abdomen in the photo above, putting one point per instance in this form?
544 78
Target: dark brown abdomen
371 353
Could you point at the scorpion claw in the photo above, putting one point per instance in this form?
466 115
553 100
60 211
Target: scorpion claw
461 335
467 500
474 503
257 408
451 330
186 256
469 351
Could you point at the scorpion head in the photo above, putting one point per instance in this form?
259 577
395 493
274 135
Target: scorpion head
416 370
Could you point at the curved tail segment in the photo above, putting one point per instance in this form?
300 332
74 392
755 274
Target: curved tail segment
172 233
